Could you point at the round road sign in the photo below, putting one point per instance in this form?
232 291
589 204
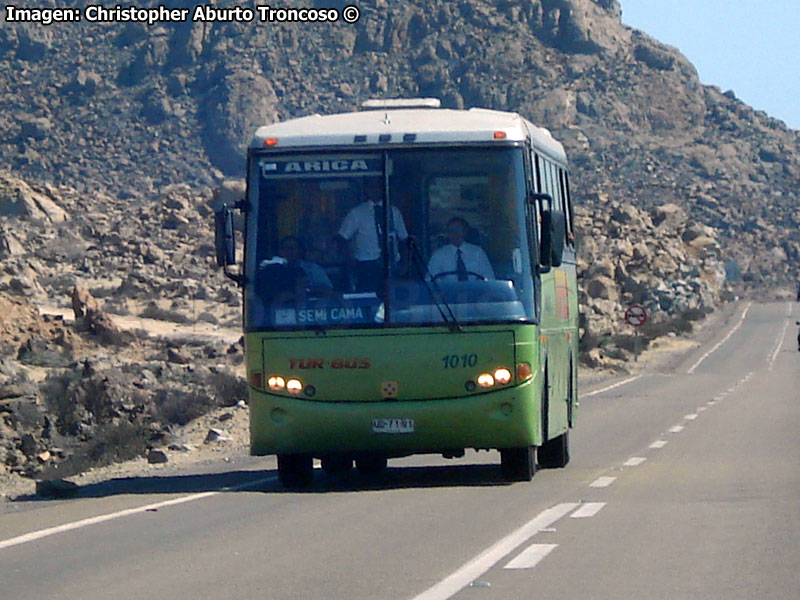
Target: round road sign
636 315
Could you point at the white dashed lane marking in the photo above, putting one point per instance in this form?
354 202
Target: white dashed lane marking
659 444
602 482
530 557
634 461
458 580
676 429
589 509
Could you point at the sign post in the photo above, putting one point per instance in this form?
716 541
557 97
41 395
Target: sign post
636 315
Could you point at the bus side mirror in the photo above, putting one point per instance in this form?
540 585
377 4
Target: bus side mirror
225 242
224 238
553 232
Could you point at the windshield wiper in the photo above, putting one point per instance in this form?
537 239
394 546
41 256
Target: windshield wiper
432 287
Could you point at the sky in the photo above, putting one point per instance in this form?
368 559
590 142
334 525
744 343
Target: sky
750 47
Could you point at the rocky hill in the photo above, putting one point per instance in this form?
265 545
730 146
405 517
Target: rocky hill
114 138
129 109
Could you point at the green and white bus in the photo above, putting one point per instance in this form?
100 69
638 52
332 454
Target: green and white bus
374 346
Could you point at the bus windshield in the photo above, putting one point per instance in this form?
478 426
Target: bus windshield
413 236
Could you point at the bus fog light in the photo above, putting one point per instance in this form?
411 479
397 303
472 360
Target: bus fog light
470 386
278 416
310 390
502 375
523 371
276 383
294 386
485 380
506 409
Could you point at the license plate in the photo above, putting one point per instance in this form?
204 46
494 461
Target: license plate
392 425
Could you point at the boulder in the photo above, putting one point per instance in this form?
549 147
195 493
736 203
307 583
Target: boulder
218 436
156 456
83 302
56 488
18 199
602 287
670 216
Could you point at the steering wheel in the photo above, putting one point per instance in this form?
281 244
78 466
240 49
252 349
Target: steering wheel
476 275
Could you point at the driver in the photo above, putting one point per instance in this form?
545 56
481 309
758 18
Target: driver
460 259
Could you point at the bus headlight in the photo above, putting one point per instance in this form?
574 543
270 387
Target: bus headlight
276 383
502 376
485 380
294 386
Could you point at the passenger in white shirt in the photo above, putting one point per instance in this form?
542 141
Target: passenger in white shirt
460 259
360 228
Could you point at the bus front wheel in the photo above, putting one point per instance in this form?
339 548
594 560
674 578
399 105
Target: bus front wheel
518 464
295 470
554 454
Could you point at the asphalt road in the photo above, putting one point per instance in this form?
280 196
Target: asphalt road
684 484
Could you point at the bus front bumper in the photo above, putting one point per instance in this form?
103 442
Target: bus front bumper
507 418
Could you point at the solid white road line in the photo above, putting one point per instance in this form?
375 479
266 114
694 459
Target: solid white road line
458 580
778 345
42 533
634 461
588 509
531 556
722 341
611 387
659 444
602 482
676 429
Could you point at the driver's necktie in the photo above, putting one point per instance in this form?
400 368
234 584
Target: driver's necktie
461 269
380 216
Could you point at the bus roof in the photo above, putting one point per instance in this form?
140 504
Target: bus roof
405 126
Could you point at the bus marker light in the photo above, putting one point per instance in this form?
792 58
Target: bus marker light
523 371
271 142
485 380
499 135
276 383
470 386
389 389
310 390
256 380
502 375
294 386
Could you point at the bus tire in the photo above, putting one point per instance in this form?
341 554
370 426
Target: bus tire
295 470
518 464
336 464
371 464
554 454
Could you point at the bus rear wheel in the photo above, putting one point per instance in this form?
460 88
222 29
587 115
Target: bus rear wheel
517 464
336 464
554 454
295 470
